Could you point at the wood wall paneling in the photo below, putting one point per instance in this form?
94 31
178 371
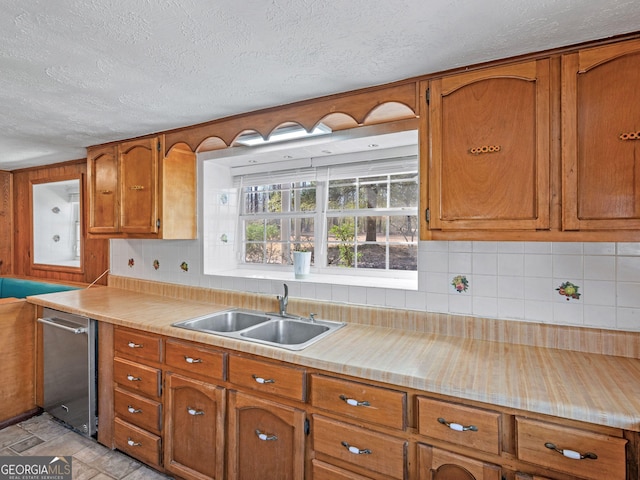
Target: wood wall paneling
6 222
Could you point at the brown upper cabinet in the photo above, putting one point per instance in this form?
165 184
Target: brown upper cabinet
488 148
601 138
135 191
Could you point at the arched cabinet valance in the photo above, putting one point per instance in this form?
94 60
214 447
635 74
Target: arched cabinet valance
338 112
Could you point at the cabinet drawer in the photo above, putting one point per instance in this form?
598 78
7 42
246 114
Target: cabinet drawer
140 378
436 463
138 410
467 426
326 471
535 441
195 359
137 442
137 345
365 402
369 450
268 377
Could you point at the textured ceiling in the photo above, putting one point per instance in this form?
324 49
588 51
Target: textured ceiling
75 73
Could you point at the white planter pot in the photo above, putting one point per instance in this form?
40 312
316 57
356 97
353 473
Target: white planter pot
301 264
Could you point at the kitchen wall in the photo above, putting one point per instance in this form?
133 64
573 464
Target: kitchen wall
584 284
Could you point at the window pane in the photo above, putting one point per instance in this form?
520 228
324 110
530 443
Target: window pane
372 229
403 228
373 194
403 257
372 255
254 253
262 199
404 191
274 253
254 231
303 197
341 242
302 231
342 195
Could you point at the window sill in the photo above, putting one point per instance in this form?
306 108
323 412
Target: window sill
408 282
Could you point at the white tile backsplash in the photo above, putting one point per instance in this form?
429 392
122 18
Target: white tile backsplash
510 280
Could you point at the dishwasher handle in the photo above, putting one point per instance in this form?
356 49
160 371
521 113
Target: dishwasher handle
52 322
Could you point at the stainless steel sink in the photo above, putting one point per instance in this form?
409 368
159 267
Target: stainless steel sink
228 321
286 332
290 332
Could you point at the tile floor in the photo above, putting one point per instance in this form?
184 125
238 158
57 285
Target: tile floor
42 435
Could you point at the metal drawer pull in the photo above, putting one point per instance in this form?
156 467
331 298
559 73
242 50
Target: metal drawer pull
263 380
571 453
356 450
192 360
457 427
353 402
131 443
131 378
133 410
265 437
193 411
134 345
136 187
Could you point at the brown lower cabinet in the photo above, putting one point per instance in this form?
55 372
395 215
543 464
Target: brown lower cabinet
200 412
265 439
194 428
438 464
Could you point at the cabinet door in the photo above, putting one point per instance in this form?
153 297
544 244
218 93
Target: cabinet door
266 439
601 138
489 144
194 418
102 180
437 464
139 183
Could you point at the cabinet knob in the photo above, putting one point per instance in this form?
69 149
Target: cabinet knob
571 453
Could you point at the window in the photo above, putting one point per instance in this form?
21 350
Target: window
352 217
277 219
348 197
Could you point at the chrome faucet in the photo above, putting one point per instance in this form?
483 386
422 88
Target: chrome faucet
284 301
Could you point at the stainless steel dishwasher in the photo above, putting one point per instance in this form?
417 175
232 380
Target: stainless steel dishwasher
69 365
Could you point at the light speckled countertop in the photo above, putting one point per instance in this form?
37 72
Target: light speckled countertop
599 389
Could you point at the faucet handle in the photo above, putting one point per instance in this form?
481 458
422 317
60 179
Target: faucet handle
312 317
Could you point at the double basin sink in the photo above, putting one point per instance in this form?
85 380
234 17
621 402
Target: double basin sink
285 331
